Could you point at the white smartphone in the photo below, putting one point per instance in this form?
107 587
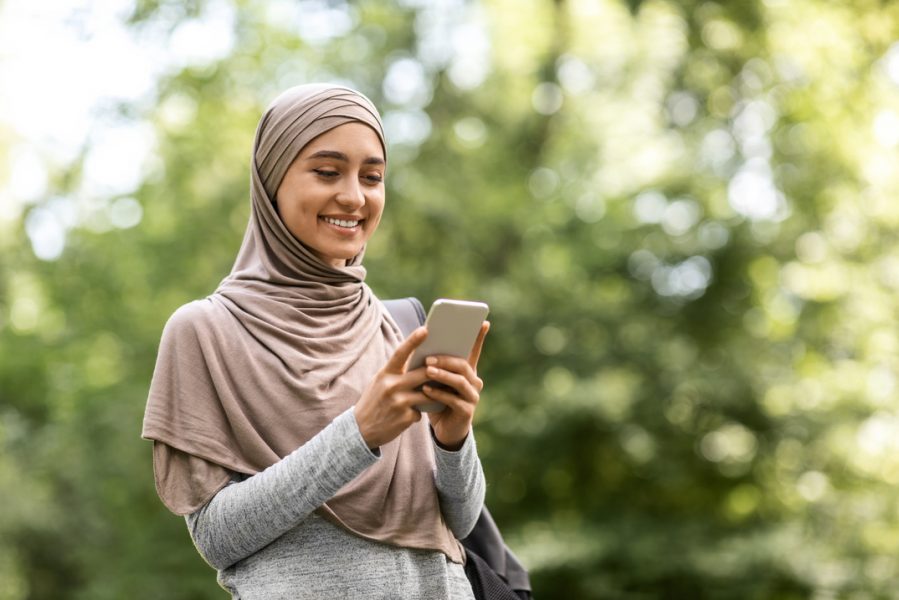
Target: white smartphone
453 327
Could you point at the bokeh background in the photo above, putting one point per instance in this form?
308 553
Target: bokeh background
682 213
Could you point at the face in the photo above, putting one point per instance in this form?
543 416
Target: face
332 196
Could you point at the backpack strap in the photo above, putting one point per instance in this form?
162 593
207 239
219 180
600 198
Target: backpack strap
408 313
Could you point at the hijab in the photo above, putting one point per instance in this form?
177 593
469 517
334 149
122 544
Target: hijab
286 344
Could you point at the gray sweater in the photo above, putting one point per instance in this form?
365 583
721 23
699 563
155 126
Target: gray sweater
265 540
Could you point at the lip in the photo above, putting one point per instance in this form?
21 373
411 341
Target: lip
342 217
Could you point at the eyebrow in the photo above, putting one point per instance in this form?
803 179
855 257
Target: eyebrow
371 160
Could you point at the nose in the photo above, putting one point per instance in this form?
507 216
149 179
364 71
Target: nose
350 195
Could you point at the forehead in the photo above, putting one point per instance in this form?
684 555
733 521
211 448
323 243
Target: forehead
353 139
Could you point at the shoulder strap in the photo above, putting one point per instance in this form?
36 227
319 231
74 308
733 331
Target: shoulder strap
408 313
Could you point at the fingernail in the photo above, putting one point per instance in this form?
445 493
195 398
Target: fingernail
432 371
431 360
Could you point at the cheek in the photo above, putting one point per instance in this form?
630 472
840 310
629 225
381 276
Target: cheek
294 214
376 212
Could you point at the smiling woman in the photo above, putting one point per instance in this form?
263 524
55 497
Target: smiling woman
281 410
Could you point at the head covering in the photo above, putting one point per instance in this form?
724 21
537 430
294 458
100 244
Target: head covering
286 344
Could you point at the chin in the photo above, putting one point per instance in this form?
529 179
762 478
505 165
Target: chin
341 257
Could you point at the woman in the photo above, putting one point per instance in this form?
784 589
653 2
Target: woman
282 415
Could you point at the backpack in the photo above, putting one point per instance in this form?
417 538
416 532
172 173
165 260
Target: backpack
493 571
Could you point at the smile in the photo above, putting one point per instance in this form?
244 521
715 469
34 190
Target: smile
341 222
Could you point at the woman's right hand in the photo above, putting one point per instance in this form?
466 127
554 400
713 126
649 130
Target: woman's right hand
386 407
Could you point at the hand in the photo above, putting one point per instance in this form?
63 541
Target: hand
451 426
386 407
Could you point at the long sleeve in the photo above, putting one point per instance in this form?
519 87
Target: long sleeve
247 515
460 486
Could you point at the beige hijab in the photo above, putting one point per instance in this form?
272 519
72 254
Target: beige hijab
286 344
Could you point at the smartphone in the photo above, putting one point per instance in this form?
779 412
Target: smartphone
453 327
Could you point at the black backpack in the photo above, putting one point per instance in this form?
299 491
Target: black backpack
493 571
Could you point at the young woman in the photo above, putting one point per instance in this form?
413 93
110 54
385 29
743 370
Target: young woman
282 414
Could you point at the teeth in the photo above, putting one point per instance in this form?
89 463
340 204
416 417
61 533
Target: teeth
341 223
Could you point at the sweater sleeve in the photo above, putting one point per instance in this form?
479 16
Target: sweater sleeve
460 485
247 515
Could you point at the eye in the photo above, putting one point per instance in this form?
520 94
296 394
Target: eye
326 173
374 178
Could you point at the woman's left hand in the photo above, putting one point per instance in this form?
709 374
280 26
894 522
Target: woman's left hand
451 426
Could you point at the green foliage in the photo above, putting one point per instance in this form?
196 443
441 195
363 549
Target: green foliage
681 213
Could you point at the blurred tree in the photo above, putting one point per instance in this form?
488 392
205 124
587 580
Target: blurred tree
681 213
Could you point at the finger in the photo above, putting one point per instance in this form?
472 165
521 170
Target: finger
397 362
412 379
462 386
454 364
450 363
451 400
475 354
414 398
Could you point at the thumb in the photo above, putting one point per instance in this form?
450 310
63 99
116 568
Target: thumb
397 362
475 354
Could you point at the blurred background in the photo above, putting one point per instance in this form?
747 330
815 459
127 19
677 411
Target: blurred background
682 213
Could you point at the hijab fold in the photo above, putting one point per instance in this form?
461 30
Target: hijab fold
284 345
